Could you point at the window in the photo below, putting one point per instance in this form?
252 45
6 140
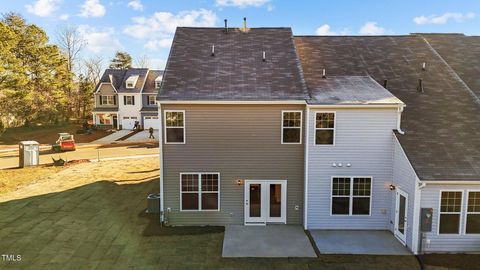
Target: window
351 196
450 211
291 127
325 128
473 213
157 84
129 85
200 191
151 100
129 100
107 100
175 127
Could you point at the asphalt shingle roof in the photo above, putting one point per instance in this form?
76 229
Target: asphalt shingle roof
150 83
117 77
442 125
237 71
141 73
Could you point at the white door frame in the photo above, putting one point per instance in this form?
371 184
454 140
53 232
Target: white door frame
265 203
397 233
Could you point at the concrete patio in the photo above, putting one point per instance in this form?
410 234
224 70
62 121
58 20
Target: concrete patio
358 242
266 241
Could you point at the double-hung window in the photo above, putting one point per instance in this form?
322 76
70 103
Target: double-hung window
107 100
200 191
450 212
324 128
175 127
151 100
291 127
128 100
472 223
351 195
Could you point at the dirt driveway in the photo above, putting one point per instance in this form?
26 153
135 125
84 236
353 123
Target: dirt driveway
91 216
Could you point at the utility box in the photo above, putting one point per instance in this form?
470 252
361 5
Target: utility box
426 219
153 203
28 153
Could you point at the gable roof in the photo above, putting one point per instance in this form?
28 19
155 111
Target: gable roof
150 83
117 77
236 71
132 72
442 139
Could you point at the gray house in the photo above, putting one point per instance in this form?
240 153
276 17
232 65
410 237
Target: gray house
366 133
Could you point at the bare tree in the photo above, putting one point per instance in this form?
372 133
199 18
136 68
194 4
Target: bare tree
142 61
93 68
71 42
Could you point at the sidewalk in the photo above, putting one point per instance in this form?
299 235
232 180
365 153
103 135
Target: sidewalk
113 137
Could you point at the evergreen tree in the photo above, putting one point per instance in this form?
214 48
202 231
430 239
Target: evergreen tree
122 60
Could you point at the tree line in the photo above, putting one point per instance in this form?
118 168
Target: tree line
48 82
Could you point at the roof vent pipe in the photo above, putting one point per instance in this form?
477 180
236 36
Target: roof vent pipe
385 81
213 50
244 24
424 65
420 86
263 56
324 75
226 27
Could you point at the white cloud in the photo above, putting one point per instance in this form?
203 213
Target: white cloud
371 28
157 63
43 8
324 30
135 5
443 19
92 8
64 17
98 41
241 3
157 30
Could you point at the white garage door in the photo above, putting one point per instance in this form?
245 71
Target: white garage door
151 121
128 122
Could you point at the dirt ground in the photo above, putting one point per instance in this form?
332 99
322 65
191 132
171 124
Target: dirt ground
45 134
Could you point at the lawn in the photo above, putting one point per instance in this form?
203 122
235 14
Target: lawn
91 216
45 134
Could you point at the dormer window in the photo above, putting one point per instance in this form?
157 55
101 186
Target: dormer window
158 82
131 82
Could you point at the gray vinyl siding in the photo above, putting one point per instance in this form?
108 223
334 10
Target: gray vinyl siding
363 138
239 142
404 178
105 89
145 100
447 242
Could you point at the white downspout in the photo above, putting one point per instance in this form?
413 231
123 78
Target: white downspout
399 119
305 196
160 146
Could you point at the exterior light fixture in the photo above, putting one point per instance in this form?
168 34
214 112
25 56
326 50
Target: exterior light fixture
239 182
392 187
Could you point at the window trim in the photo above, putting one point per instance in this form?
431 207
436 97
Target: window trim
165 126
467 192
350 197
334 129
158 84
460 213
104 97
301 126
200 193
154 100
132 97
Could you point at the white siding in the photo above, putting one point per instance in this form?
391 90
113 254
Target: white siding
129 110
364 139
404 177
447 243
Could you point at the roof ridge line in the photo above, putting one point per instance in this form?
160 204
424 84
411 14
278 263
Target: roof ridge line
451 71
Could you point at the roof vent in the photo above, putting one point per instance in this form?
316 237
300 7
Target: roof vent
263 56
213 50
324 74
226 27
420 86
424 66
385 82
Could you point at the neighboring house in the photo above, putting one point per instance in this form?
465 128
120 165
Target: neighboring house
125 96
354 133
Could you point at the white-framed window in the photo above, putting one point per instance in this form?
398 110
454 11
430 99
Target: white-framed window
351 196
129 85
450 212
107 100
200 191
325 128
151 100
158 84
472 217
174 127
291 127
129 100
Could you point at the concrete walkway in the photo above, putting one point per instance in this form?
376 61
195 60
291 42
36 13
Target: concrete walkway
143 136
266 241
114 136
358 242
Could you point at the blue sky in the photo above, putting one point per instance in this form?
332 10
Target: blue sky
146 27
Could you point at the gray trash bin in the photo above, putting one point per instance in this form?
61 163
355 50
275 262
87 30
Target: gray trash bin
153 203
29 153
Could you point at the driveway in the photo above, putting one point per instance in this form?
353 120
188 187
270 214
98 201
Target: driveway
113 137
143 136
